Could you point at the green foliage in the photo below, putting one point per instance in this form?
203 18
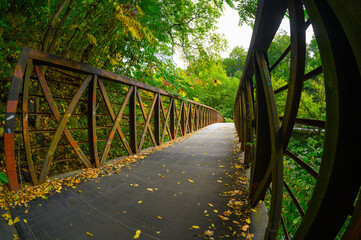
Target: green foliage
3 178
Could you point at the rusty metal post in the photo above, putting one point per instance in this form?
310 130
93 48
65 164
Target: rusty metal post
133 121
157 120
93 150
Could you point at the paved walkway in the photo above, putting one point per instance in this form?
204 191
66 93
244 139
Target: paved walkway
162 195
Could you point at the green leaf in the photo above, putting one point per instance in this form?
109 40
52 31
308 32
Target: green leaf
4 178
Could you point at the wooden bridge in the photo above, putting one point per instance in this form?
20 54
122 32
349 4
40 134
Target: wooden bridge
78 114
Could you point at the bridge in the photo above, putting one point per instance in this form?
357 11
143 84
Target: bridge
60 111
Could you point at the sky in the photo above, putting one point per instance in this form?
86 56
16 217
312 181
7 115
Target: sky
237 35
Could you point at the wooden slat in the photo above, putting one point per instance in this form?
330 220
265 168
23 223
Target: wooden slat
133 120
29 69
140 101
58 117
276 148
92 94
61 128
166 117
157 120
112 115
294 199
172 119
116 125
147 122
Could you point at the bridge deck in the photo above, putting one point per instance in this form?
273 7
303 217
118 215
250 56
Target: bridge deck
195 173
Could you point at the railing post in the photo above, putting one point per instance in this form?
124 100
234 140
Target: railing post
183 126
133 120
190 116
172 119
157 119
93 150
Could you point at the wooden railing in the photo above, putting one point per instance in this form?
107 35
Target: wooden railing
334 207
63 115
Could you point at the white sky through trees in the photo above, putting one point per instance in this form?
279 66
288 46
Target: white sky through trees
237 35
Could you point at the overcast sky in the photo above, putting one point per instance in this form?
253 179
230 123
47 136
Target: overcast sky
238 35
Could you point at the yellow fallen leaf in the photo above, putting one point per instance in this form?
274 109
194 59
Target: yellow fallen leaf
140 202
195 226
215 211
221 166
150 189
159 217
89 234
79 191
245 227
248 221
211 205
10 222
25 221
223 218
208 233
137 233
27 210
253 210
190 180
17 219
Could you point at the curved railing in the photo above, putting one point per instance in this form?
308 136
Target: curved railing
334 207
61 112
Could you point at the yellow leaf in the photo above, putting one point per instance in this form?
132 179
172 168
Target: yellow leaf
159 217
89 234
17 219
92 39
190 180
10 222
140 202
183 93
245 227
211 205
27 210
223 218
137 233
248 221
215 211
195 226
25 221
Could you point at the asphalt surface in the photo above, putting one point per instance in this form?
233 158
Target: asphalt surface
162 195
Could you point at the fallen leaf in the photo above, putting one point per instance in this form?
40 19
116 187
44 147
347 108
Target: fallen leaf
223 218
159 217
10 222
216 211
17 219
195 227
89 234
245 227
150 189
208 233
219 180
79 191
248 221
211 205
27 210
140 202
25 221
190 180
137 233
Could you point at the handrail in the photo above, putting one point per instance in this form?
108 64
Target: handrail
75 116
264 135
